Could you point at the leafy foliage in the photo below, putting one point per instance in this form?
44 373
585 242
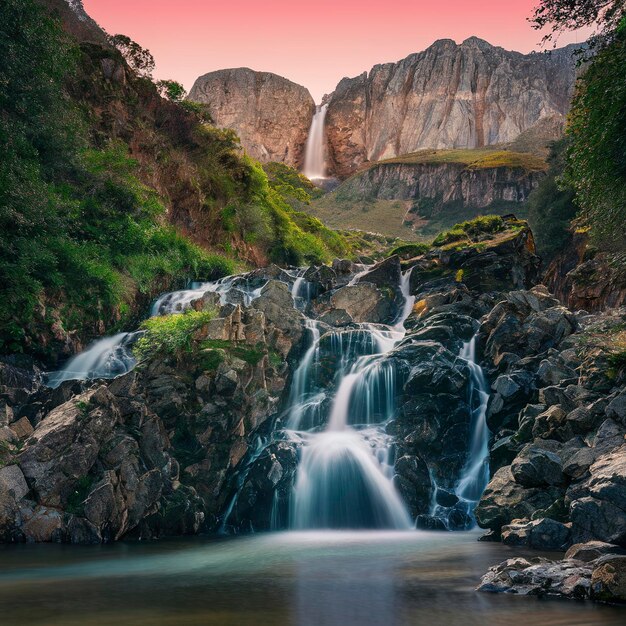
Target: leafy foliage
551 206
170 335
172 90
596 157
597 154
80 235
138 58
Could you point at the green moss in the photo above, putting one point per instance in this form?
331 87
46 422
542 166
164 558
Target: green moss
170 335
409 250
467 231
250 354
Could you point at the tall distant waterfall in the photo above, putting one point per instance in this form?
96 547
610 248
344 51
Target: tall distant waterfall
314 156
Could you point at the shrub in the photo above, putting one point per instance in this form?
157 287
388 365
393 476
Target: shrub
170 335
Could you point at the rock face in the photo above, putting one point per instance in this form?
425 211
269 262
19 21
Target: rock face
432 187
448 96
270 114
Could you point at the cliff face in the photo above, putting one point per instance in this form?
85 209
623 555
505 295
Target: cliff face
438 184
468 95
271 114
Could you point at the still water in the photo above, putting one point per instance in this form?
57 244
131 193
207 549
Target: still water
290 579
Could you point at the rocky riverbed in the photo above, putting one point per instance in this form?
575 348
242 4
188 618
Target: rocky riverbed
198 441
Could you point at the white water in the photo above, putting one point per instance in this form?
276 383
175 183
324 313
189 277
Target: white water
476 472
106 358
314 155
344 479
112 356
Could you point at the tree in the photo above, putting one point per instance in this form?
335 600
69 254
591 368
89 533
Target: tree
596 157
138 58
561 15
551 206
171 90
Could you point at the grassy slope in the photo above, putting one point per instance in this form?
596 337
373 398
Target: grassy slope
476 158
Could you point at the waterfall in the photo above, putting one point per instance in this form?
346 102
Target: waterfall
344 479
106 358
475 475
112 356
314 155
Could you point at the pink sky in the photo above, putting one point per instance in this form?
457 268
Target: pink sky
314 43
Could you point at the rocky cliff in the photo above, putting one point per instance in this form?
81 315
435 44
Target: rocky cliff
430 190
270 114
448 96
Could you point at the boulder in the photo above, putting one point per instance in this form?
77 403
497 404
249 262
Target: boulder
505 500
540 534
65 445
363 302
608 579
592 550
536 465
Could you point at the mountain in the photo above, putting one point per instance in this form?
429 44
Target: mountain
449 96
270 114
466 95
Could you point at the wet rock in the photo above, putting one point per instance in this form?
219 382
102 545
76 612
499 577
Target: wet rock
505 500
412 480
608 579
364 302
592 550
539 577
541 534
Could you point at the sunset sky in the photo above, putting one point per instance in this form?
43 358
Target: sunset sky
314 43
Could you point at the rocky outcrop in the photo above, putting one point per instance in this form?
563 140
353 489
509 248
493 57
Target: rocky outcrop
602 579
448 96
586 279
557 419
270 114
433 187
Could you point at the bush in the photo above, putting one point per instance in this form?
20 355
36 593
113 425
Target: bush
170 335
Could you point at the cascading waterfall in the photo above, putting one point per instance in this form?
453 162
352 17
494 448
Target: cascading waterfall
112 356
314 154
106 358
476 472
344 476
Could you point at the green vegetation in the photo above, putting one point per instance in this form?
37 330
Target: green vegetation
596 156
250 354
409 250
110 194
474 158
170 335
484 225
551 207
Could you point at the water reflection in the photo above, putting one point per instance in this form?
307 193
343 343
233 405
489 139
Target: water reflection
281 579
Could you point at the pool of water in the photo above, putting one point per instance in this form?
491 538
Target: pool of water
281 579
